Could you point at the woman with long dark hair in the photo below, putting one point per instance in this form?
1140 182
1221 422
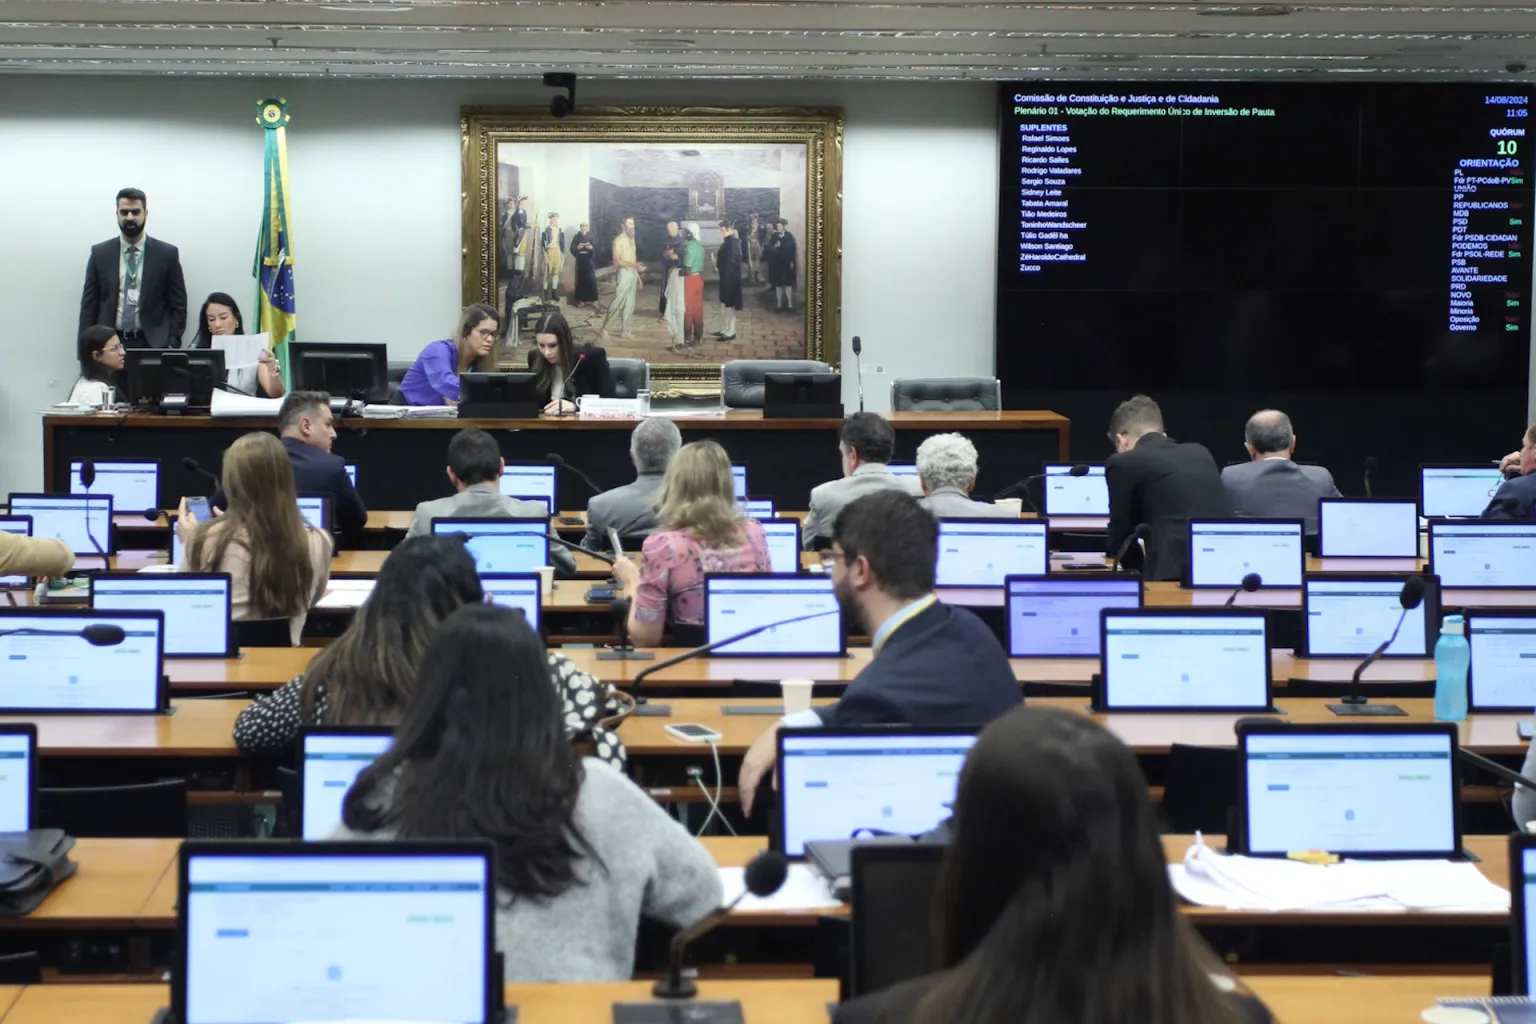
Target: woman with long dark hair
581 851
220 317
1054 906
554 355
101 357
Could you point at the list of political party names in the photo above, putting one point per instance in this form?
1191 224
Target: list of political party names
1490 262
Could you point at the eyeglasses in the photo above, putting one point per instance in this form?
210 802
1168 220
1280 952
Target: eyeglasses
488 334
829 559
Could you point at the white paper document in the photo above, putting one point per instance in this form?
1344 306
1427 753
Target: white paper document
803 889
241 350
228 404
345 593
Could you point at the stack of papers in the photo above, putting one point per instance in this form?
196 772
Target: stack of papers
1211 879
226 403
803 889
410 412
241 350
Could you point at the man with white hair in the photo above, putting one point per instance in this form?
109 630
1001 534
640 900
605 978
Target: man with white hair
631 510
946 467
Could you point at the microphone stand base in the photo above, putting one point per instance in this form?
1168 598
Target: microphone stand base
625 654
678 1013
1363 710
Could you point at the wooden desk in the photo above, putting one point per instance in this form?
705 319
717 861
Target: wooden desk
1170 595
1327 999
199 728
112 888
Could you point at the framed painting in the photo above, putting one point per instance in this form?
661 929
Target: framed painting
686 237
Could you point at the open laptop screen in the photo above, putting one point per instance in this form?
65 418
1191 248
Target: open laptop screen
1450 491
1368 529
18 767
906 470
50 666
896 780
1196 661
331 761
1496 554
1223 551
530 480
757 508
735 603
316 510
502 545
1068 495
1352 616
196 608
981 552
1523 883
739 481
516 590
1501 675
133 485
1059 617
74 519
21 525
783 537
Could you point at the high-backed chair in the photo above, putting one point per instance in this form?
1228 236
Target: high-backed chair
946 394
741 380
630 376
398 369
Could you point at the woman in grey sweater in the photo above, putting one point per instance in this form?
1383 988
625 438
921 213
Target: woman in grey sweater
481 752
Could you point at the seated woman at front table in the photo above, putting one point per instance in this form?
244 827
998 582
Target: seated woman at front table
220 317
1053 903
700 530
434 378
554 355
278 564
581 851
367 675
101 367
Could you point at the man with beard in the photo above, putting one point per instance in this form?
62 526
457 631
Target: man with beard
626 280
933 664
783 260
134 284
728 266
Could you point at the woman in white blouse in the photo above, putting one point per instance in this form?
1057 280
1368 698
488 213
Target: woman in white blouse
101 366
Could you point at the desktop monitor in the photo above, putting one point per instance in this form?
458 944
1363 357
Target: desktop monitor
1368 528
1223 551
756 508
133 484
737 602
529 480
1068 495
330 758
520 590
982 552
316 510
342 930
1057 616
18 776
1348 616
196 608
794 395
1448 492
1522 908
343 370
836 782
1489 554
501 545
905 470
1378 790
783 537
501 396
76 519
20 525
1501 672
739 481
890 909
1176 659
154 373
51 664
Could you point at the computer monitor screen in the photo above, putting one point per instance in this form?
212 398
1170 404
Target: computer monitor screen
980 552
783 536
351 473
736 603
1502 672
1056 617
151 374
739 481
330 763
1068 495
1223 551
908 470
502 545
1190 662
50 666
381 934
530 480
18 756
757 508
1489 553
345 370
831 785
20 525
1368 529
196 608
1357 791
1352 616
133 485
1525 878
515 590
316 510
75 519
1452 491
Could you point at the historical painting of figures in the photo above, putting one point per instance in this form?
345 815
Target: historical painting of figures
685 237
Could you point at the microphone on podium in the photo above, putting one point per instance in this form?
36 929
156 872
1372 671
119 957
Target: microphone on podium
559 460
1356 703
560 409
858 368
97 634
764 875
1253 581
190 464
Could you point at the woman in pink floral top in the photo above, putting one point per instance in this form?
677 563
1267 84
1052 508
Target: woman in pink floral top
702 531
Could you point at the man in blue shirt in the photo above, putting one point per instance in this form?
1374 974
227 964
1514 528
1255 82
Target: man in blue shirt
1514 497
934 663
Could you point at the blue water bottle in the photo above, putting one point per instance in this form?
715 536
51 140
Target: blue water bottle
1451 656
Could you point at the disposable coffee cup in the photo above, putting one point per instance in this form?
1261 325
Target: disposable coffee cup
1014 505
797 695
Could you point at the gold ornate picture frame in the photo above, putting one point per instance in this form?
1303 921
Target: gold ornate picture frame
653 186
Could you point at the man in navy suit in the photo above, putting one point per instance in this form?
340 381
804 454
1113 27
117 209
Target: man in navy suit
1516 496
934 663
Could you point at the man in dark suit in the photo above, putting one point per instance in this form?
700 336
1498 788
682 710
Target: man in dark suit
1155 480
934 663
1272 486
305 424
1517 494
133 283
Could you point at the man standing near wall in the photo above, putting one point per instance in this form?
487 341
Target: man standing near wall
134 284
626 281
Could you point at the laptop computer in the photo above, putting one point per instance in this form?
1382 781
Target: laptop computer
739 481
984 552
1068 495
134 484
196 607
501 545
891 913
835 783
1501 668
330 758
1489 554
1057 616
19 525
1451 491
529 480
1367 528
18 776
1348 615
736 602
1378 790
76 519
1223 551
783 537
341 931
520 590
1180 659
316 510
905 470
52 667
757 508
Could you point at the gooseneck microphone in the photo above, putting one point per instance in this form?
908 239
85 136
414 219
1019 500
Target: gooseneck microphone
97 634
1022 486
559 461
1495 769
88 478
1253 581
190 464
1355 702
764 875
1141 532
601 556
858 368
744 635
560 409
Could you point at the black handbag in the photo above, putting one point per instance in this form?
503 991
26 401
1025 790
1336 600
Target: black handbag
31 864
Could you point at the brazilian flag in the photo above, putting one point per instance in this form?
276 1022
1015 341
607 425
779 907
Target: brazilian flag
273 269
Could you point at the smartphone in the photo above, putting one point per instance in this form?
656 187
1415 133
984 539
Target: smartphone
199 509
692 732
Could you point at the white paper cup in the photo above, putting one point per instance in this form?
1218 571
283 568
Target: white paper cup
546 579
1014 505
797 695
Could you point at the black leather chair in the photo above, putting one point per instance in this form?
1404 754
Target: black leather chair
262 633
398 370
741 380
146 810
630 376
946 394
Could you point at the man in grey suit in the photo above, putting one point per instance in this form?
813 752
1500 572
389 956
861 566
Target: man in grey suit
946 466
1272 486
475 466
866 443
630 511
